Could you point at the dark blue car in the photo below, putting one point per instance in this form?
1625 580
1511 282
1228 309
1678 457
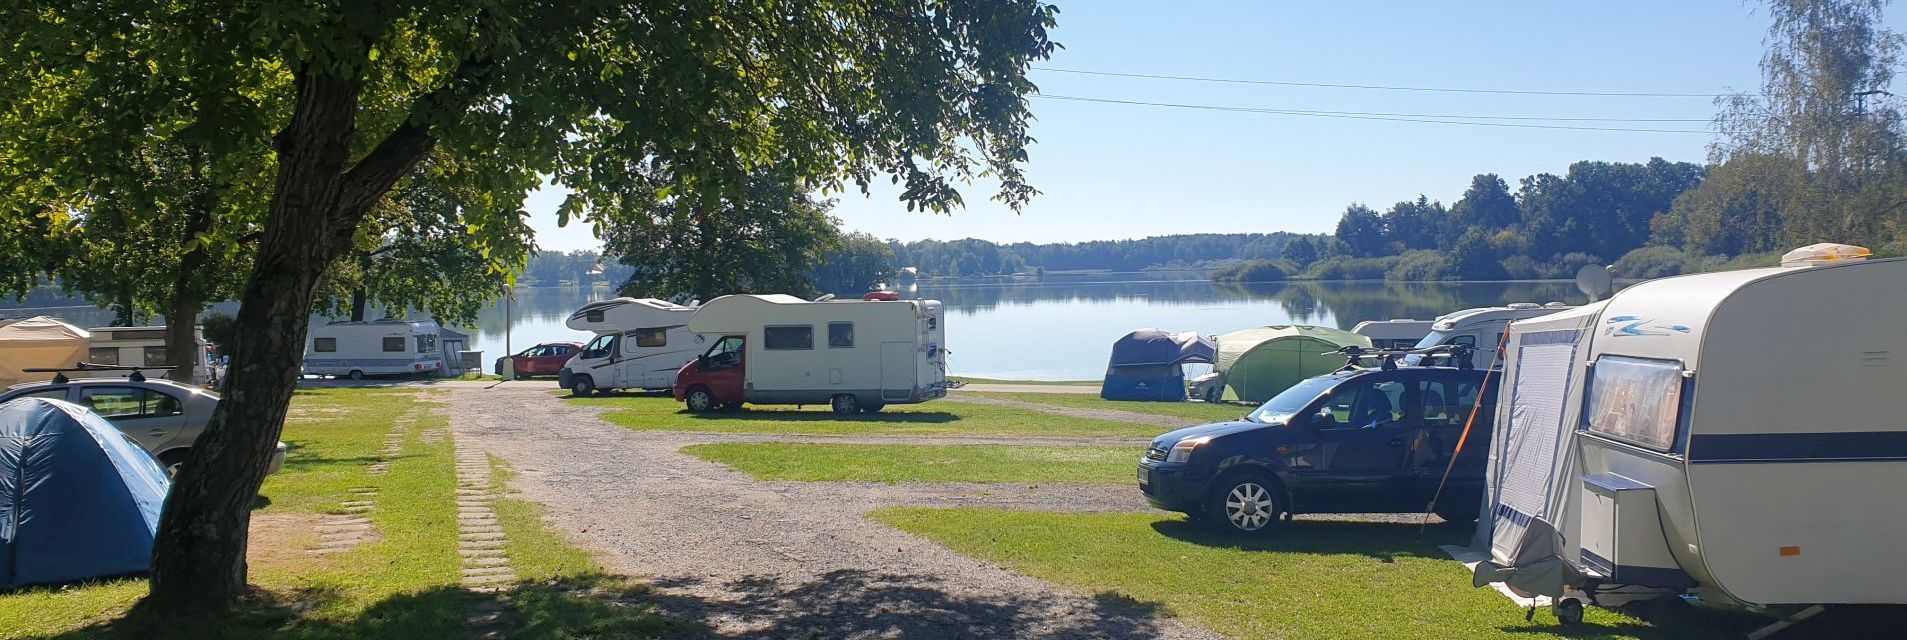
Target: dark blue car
1354 441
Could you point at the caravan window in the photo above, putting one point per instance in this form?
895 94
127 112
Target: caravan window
657 337
1635 400
787 338
394 344
156 357
601 347
593 315
426 343
840 335
324 345
103 355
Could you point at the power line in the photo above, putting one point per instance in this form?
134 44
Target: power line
1355 115
1375 87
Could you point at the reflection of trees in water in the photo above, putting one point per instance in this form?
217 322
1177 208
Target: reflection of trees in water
547 304
1344 303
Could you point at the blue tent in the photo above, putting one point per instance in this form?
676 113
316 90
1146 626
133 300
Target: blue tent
1145 365
78 499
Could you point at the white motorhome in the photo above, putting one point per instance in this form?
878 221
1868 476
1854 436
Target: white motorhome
1737 435
1396 333
141 347
380 347
1481 329
640 344
854 355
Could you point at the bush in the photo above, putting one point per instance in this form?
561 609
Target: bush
1649 263
1521 268
1252 271
1419 266
1347 268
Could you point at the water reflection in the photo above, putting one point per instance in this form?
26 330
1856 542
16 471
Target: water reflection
1055 328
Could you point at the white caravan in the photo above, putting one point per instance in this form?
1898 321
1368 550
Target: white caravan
140 347
854 355
381 347
1481 329
640 344
1737 435
1396 333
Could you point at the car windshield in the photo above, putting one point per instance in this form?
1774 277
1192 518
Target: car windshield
1281 407
1435 338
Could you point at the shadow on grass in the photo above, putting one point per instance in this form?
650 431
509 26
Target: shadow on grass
592 606
784 415
874 604
1383 541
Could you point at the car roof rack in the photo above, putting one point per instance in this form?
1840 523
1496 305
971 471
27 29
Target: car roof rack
1457 355
59 373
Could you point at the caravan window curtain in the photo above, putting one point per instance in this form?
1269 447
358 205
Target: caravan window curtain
1636 400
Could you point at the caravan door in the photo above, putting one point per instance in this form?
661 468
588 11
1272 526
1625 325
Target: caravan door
897 371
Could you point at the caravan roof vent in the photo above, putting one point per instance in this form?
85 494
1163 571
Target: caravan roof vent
1556 305
1524 305
1824 253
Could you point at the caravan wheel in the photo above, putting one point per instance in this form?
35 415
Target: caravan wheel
846 404
357 375
700 400
582 387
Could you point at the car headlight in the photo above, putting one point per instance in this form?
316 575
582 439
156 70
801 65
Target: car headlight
1183 450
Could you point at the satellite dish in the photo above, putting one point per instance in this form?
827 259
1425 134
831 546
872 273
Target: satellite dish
1593 280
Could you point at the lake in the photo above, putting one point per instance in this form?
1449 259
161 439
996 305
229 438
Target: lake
1057 328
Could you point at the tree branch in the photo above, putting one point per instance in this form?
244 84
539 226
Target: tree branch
372 177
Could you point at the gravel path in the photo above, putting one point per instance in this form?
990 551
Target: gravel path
780 559
1114 415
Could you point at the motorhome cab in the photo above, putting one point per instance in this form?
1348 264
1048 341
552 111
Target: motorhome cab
1481 329
640 344
140 347
1737 435
382 347
856 355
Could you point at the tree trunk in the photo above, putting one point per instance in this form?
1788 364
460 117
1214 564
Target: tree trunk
358 303
199 557
188 290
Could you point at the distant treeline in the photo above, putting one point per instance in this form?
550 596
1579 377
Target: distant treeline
971 257
553 268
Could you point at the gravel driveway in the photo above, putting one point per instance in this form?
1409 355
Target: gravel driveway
781 559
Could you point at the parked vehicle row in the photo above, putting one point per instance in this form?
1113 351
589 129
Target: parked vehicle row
164 417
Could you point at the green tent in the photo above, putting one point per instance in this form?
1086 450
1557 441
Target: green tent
1256 364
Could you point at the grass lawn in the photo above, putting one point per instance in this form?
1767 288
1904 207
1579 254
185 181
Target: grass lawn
924 463
404 583
1310 580
1188 410
661 413
1062 383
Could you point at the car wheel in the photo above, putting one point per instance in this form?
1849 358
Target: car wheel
846 404
872 408
173 461
357 375
1244 503
581 387
699 400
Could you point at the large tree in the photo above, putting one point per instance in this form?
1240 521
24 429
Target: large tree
766 239
857 263
623 102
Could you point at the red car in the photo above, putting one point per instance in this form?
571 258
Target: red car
541 360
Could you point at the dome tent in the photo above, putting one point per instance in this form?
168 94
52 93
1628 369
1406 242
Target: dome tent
1255 364
78 499
38 342
1146 365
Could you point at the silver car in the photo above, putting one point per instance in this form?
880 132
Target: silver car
163 416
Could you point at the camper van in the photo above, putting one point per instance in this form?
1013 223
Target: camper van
640 344
1481 329
854 355
1733 435
140 347
382 347
1396 333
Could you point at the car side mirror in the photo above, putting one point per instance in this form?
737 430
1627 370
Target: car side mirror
1317 421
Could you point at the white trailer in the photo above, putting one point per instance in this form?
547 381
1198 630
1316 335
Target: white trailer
1481 329
855 355
1396 333
640 344
381 347
1737 435
142 347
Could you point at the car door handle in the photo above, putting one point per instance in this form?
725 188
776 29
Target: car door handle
1396 442
157 432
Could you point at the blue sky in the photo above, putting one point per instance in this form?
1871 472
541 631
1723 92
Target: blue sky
1115 171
